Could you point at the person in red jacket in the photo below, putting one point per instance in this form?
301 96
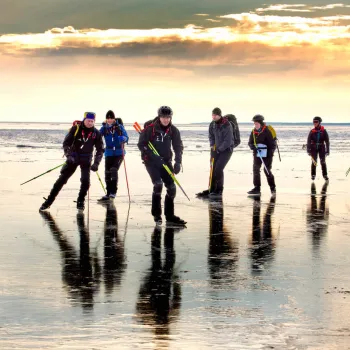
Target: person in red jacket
318 146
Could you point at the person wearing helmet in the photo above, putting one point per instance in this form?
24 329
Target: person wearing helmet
318 145
262 144
78 147
164 136
115 137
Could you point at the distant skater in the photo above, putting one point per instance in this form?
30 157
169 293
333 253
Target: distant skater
78 147
223 138
263 145
318 146
115 137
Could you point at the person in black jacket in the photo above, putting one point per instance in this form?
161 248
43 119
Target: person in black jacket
221 148
78 147
164 136
318 145
263 145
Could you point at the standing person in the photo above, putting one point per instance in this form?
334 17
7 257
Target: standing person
221 145
164 136
115 137
78 147
318 145
263 145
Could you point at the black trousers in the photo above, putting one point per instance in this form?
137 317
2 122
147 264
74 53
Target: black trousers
321 153
112 165
159 176
256 172
66 172
220 162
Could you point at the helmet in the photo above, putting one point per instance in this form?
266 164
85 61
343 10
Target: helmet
258 118
165 111
317 119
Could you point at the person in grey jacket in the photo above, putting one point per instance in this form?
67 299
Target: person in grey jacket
221 145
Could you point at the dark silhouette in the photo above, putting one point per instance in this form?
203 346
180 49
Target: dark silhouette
317 216
80 273
263 247
223 253
114 255
159 299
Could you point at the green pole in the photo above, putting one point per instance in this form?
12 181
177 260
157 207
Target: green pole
58 166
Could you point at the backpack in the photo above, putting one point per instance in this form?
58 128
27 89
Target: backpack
274 136
235 129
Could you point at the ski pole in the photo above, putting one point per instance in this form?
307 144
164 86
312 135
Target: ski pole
138 129
347 172
279 154
58 166
313 161
104 190
126 174
211 173
258 151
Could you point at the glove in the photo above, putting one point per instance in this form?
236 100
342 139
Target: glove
94 167
122 139
177 168
327 154
70 159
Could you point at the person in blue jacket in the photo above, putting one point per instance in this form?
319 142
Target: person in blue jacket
115 137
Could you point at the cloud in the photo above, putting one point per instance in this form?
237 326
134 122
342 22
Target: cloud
284 7
201 14
248 42
298 8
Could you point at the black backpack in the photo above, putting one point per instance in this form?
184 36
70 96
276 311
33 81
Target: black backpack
235 129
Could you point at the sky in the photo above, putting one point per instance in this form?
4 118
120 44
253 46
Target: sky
289 61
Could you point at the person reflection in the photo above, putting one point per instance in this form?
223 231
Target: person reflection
263 248
223 253
114 255
80 273
159 299
317 216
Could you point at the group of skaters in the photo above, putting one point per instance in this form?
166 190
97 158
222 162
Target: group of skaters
157 142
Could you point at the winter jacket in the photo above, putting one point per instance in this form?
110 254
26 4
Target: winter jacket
263 136
83 143
163 139
318 137
221 135
115 136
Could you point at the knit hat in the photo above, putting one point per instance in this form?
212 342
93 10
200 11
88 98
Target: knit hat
110 115
90 115
317 119
217 111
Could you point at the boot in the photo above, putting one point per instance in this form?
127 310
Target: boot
158 220
156 207
45 205
313 177
80 205
202 194
326 177
104 198
255 191
175 220
273 191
